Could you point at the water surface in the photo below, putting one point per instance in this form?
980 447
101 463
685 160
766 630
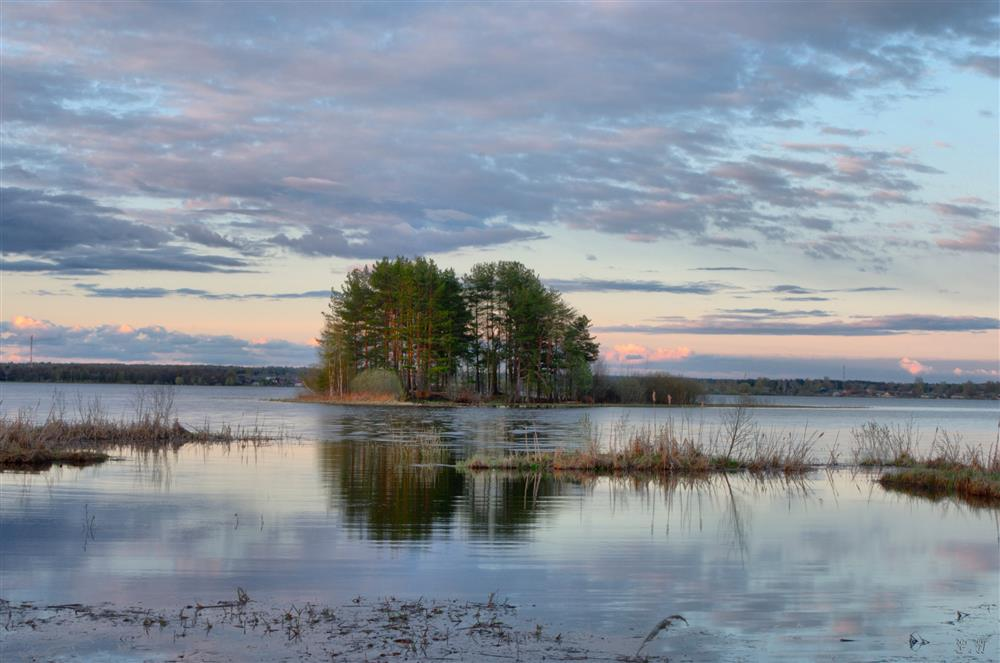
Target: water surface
829 567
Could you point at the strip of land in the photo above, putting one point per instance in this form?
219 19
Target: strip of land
27 443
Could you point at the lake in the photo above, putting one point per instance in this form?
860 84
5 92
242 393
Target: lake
827 567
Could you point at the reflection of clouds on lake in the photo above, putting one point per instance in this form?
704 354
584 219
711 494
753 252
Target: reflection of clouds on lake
755 565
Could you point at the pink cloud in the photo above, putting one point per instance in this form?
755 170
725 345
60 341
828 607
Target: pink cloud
851 165
631 353
912 366
24 322
979 238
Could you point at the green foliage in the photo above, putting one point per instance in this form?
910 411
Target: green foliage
639 389
377 382
497 332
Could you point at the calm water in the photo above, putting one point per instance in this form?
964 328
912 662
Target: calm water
762 570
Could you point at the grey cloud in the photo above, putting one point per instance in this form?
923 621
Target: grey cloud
967 211
400 239
627 127
154 344
35 222
871 326
812 298
607 285
199 234
869 368
839 131
93 290
98 261
791 289
729 242
988 65
763 312
74 234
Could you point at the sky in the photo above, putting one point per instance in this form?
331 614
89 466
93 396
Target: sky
726 189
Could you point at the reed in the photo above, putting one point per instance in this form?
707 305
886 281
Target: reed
28 442
739 444
950 468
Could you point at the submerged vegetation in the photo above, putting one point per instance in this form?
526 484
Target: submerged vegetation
27 443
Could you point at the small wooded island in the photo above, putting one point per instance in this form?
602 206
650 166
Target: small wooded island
408 328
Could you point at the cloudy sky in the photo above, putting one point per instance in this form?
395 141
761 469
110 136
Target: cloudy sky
726 189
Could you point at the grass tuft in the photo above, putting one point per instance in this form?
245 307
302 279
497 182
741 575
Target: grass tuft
29 444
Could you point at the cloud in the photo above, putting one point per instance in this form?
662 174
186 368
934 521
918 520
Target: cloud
976 372
988 65
22 322
729 269
912 366
585 284
861 326
983 238
93 290
362 131
839 131
402 239
631 353
199 234
739 366
153 344
74 234
967 211
309 182
792 289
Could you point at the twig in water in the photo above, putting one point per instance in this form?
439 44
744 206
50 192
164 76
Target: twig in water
662 626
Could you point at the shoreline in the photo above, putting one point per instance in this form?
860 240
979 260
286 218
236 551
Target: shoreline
564 406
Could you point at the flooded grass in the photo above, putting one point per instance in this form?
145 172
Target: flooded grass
975 485
950 468
738 444
29 444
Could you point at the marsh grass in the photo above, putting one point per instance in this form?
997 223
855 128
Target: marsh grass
28 443
949 468
738 444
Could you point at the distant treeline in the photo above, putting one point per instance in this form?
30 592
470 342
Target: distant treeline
282 376
827 387
495 333
601 387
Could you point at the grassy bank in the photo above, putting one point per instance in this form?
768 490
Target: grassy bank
975 484
949 468
28 442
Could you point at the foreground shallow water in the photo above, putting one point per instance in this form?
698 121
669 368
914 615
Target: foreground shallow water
829 567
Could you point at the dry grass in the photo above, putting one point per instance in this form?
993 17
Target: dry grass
350 398
29 444
949 468
739 444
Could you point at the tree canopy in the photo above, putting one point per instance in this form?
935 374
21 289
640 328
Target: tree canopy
497 332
